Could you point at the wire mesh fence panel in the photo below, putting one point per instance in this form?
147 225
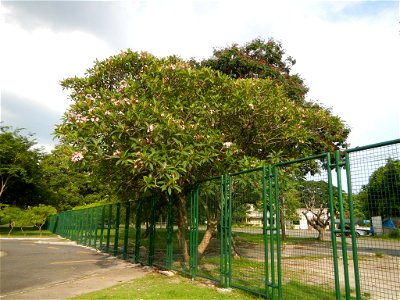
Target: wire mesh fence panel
130 253
121 230
312 228
247 238
161 233
145 227
307 251
375 187
181 234
208 239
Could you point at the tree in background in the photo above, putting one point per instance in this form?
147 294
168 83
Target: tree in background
38 215
19 168
160 124
315 201
68 184
14 217
259 59
381 195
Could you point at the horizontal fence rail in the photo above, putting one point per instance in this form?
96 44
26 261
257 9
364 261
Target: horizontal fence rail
321 227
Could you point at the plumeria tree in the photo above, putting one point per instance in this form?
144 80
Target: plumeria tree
160 124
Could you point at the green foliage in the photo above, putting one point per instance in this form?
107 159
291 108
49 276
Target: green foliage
33 216
160 124
14 217
381 196
19 168
259 59
68 184
266 60
38 215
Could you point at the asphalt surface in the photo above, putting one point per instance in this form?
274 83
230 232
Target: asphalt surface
56 269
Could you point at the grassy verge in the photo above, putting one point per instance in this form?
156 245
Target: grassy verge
156 286
25 232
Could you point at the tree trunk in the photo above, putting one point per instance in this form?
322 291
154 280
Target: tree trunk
182 227
321 231
211 227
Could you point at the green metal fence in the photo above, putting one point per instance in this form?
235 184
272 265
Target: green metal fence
322 227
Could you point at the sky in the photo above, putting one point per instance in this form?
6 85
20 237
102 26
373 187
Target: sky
346 52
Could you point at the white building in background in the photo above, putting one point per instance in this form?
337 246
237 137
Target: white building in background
255 217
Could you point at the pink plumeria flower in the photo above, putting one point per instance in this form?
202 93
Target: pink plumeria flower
76 156
117 153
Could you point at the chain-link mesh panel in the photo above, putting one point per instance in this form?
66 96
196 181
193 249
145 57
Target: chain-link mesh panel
161 233
307 253
247 238
209 217
375 187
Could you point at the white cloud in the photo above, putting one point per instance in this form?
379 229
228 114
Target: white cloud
36 60
350 62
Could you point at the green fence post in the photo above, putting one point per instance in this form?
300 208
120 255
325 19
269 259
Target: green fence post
103 214
193 242
229 231
332 221
86 227
126 230
96 225
109 227
353 228
221 237
81 225
138 227
152 230
116 237
342 224
170 232
90 226
278 235
265 229
272 176
226 251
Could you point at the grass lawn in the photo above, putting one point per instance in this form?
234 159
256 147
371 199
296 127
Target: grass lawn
157 286
25 232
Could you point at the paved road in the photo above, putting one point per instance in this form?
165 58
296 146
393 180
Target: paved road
31 265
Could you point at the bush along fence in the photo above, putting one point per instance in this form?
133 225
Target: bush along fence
268 230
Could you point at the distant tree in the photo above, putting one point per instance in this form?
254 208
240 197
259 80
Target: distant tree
259 59
381 195
69 184
14 217
19 168
38 215
315 201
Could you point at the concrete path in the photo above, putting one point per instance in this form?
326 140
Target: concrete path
54 268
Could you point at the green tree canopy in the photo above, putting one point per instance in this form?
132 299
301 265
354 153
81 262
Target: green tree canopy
381 196
38 215
267 60
68 184
19 168
259 59
159 123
